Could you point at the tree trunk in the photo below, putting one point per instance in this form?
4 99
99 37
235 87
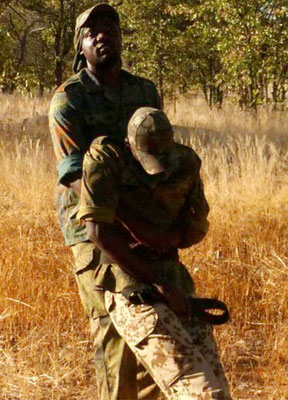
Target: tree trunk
275 93
41 89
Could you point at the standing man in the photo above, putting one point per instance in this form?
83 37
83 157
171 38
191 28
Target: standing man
98 100
140 204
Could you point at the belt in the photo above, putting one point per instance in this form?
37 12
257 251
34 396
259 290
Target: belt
146 294
145 253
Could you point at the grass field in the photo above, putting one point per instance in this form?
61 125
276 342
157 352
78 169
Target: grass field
45 351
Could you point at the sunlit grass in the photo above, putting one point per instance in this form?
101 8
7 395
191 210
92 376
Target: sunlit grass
45 351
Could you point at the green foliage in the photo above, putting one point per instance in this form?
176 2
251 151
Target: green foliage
253 50
232 48
156 44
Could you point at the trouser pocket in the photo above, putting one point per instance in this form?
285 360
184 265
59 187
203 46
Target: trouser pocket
86 271
133 322
162 353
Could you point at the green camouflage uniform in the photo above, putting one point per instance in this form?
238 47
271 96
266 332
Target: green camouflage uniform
81 110
181 357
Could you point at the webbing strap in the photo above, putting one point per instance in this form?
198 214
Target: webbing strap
145 294
200 306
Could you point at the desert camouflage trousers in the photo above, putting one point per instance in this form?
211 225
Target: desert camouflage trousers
143 350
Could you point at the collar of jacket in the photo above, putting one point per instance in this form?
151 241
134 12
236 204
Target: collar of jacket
92 84
89 81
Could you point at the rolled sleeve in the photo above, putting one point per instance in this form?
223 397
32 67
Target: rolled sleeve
97 214
67 126
100 185
68 167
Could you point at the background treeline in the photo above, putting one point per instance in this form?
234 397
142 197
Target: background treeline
230 49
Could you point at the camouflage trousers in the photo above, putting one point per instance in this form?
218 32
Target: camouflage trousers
141 350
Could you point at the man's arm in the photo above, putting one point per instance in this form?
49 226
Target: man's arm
98 205
156 239
189 228
110 241
192 219
66 127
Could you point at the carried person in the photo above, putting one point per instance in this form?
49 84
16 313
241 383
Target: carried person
142 203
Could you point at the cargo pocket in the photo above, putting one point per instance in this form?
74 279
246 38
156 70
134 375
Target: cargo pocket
163 352
86 255
86 266
134 322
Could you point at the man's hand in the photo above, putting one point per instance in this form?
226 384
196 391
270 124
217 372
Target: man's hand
162 242
158 241
175 299
116 247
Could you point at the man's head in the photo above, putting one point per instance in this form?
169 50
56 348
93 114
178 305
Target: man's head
150 136
97 38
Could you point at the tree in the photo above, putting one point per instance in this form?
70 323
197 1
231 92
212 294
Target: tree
58 19
253 50
232 48
154 40
16 25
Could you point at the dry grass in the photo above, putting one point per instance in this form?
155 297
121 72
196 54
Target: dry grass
193 111
45 352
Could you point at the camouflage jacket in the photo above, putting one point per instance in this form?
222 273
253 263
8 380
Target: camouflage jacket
114 185
81 110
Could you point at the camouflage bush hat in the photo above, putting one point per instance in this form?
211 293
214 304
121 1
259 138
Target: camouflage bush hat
82 21
151 137
102 8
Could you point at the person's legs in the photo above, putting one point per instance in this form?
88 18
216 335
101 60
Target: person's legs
202 336
184 365
166 350
119 374
115 364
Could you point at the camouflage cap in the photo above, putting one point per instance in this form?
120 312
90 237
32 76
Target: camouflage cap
101 8
82 21
150 135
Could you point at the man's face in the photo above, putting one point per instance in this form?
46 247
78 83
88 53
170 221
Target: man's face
101 43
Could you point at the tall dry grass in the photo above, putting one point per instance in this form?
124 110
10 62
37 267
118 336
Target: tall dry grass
244 259
45 352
